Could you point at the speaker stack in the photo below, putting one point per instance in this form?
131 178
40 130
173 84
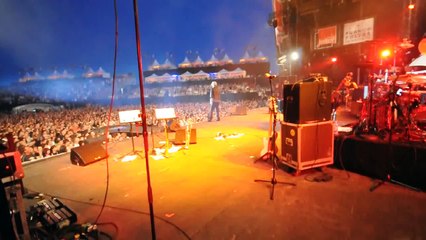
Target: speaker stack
307 130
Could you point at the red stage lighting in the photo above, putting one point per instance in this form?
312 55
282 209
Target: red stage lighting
411 6
333 59
385 53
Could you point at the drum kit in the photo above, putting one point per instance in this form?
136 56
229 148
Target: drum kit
395 105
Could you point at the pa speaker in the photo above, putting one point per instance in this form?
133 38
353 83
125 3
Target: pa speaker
240 110
87 154
180 136
307 102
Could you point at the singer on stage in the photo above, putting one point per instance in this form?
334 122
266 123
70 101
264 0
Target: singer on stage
214 101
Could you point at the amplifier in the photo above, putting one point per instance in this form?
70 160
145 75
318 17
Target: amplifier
307 146
180 136
306 102
11 165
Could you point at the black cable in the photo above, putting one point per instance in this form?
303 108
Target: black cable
340 156
121 209
117 230
110 111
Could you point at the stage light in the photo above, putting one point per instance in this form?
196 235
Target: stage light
294 56
333 59
411 6
385 53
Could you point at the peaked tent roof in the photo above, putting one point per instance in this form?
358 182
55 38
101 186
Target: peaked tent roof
213 58
246 55
261 57
201 72
212 61
186 74
198 60
185 60
226 59
154 65
185 63
238 70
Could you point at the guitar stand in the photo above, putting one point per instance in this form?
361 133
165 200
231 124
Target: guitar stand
272 153
271 144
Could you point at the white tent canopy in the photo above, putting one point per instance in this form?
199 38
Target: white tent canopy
155 65
151 79
226 60
168 64
260 57
213 61
198 62
186 63
187 76
33 107
237 73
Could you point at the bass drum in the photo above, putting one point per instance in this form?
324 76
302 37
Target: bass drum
419 117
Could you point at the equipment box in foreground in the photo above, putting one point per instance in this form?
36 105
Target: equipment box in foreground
307 146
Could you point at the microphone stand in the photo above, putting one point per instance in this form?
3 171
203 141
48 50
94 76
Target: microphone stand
273 155
145 133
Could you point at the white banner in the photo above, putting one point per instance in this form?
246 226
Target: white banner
359 31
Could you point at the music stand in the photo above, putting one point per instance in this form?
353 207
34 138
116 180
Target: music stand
165 114
130 116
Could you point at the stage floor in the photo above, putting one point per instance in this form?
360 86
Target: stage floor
208 192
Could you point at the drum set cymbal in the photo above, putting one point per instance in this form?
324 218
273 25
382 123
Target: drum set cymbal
398 105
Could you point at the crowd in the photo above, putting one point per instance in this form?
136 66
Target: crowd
39 135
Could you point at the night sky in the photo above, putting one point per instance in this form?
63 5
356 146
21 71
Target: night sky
43 35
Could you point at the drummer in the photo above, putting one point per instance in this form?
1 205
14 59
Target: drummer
347 85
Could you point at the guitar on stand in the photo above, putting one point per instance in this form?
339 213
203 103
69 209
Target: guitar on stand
269 143
271 154
187 123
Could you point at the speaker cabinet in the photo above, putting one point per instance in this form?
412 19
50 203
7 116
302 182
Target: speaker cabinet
307 102
87 154
240 110
180 136
307 146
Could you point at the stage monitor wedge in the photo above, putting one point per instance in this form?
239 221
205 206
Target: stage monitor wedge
87 154
307 102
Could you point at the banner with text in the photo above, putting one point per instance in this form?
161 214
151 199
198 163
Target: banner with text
326 37
359 31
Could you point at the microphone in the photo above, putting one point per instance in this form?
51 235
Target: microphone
270 76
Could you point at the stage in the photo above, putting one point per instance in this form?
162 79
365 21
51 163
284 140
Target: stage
208 191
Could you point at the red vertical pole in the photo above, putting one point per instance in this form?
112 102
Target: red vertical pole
145 132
